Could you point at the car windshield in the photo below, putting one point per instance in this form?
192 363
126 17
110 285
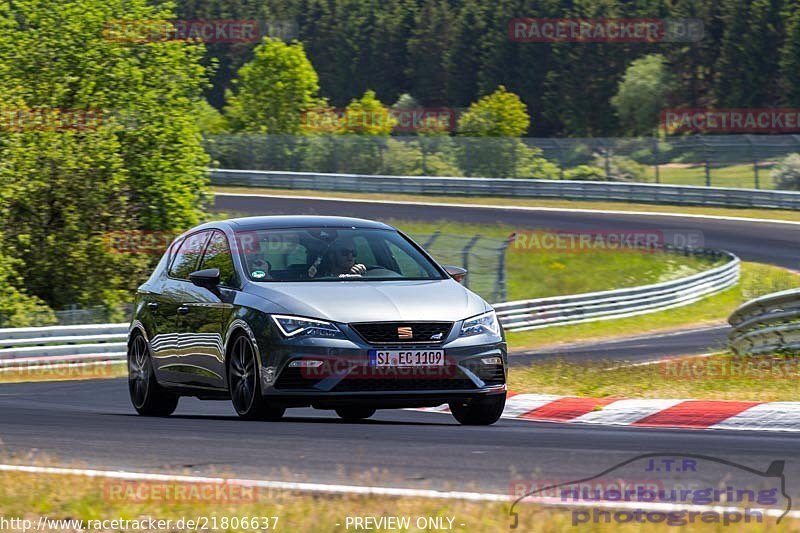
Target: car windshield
332 254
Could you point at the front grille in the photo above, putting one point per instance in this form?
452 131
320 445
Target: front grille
389 332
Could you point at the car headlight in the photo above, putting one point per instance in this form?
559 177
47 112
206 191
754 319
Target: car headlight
295 326
485 323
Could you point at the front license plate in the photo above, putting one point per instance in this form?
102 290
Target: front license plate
383 358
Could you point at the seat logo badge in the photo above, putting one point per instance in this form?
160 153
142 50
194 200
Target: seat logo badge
436 336
405 333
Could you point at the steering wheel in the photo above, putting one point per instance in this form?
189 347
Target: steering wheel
379 267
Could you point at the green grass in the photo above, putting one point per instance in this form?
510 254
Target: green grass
773 214
756 279
738 176
29 496
534 273
718 377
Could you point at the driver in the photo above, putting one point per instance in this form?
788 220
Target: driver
341 260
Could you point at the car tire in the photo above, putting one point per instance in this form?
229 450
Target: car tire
353 414
147 396
244 384
479 412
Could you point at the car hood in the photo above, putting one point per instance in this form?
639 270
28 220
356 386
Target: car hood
372 301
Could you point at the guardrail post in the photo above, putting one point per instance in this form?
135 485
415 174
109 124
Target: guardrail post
465 256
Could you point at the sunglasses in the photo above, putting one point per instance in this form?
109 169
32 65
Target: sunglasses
346 252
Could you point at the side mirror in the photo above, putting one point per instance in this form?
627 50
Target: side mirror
457 273
208 279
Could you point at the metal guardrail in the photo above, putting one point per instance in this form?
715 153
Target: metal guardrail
768 323
562 310
506 187
83 342
107 342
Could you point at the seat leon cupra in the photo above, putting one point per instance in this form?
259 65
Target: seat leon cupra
329 312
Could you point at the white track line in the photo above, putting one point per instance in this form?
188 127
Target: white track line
374 491
277 485
516 207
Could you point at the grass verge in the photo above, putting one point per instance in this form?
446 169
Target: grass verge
756 280
53 372
717 377
30 496
535 272
773 214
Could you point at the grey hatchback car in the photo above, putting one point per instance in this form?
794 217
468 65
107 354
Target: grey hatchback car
328 312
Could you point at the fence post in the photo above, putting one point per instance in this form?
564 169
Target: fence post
500 288
465 256
705 157
608 161
655 158
431 239
560 156
755 160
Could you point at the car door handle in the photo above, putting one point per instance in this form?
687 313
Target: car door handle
152 306
183 310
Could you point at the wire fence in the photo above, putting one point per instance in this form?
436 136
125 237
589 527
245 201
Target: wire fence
707 160
483 257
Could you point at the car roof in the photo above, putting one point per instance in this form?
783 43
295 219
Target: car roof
302 221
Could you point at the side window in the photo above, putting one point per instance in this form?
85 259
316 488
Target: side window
188 254
218 255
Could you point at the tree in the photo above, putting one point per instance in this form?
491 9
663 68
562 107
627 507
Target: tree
367 116
427 50
790 55
747 73
500 114
273 90
643 93
125 156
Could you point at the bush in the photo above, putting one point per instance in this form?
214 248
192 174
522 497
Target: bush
622 168
786 175
585 173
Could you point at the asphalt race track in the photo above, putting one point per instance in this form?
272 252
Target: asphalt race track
639 349
762 242
91 423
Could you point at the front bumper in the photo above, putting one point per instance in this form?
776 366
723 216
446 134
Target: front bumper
346 378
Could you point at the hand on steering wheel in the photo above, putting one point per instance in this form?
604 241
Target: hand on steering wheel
359 269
